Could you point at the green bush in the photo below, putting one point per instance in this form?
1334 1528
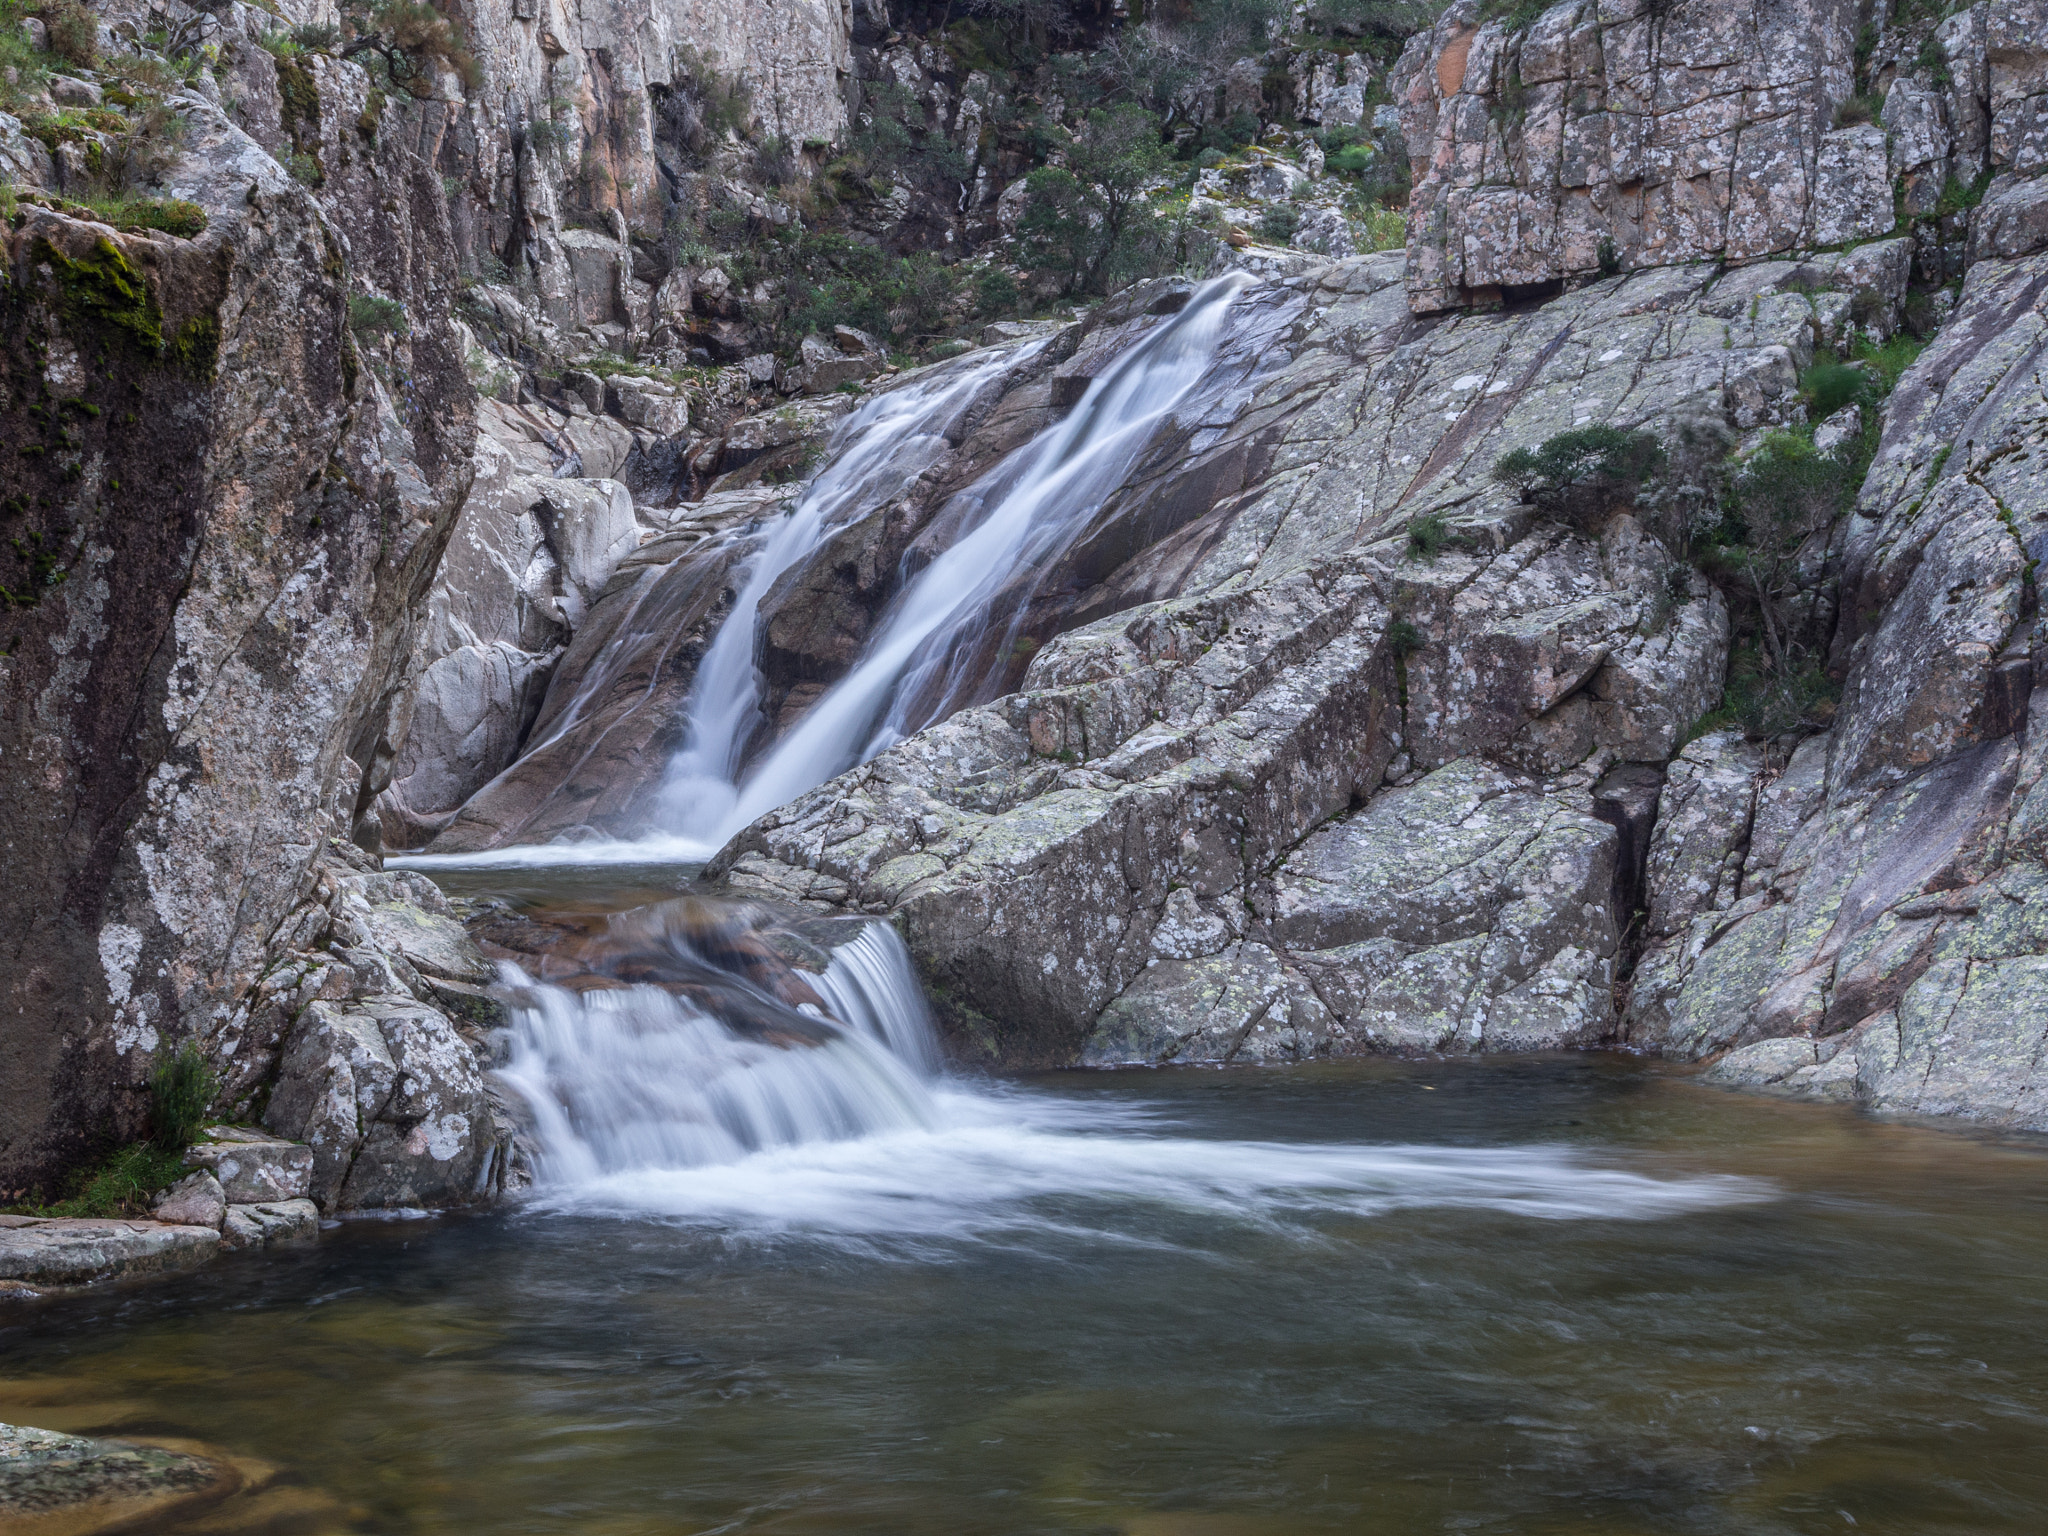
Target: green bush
1586 459
369 315
74 31
1279 222
1351 160
996 294
119 1185
1430 535
1830 386
181 1091
1765 702
1087 225
1403 639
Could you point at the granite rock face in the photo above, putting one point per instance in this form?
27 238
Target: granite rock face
1864 921
373 1050
1627 135
195 697
1608 135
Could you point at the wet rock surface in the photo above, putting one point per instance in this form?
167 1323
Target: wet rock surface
54 1483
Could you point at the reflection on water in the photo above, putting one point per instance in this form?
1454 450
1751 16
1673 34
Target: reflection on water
1178 1302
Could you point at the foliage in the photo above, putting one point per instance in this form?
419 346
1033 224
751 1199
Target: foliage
828 279
893 141
1828 386
1278 223
1087 224
1765 703
1578 471
400 42
369 315
1514 15
996 294
1886 361
120 1185
546 135
1857 109
1430 534
74 31
1381 26
1961 197
171 216
1403 639
23 68
1934 59
181 1091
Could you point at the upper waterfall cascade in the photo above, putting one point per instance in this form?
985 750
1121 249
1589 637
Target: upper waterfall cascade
1033 505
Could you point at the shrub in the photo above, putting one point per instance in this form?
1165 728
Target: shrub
119 1185
1279 222
1430 535
1087 224
181 1091
369 315
173 216
996 294
1381 26
400 42
1567 470
1514 15
1830 386
1857 109
1765 702
74 31
1403 639
1351 160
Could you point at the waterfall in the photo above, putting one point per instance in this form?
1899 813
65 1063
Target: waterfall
635 1077
872 457
1034 505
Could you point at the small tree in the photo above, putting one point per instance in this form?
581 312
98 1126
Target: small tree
1088 220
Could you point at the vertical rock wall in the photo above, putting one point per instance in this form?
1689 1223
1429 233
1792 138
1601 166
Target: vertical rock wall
223 524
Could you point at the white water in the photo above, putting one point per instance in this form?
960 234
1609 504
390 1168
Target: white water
646 1107
872 457
1036 503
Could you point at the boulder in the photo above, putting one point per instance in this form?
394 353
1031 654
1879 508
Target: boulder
821 367
251 1166
69 1251
390 1100
197 1200
270 1224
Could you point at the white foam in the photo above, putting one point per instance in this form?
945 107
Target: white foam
646 1107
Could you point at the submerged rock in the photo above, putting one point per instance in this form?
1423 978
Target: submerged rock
69 1484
